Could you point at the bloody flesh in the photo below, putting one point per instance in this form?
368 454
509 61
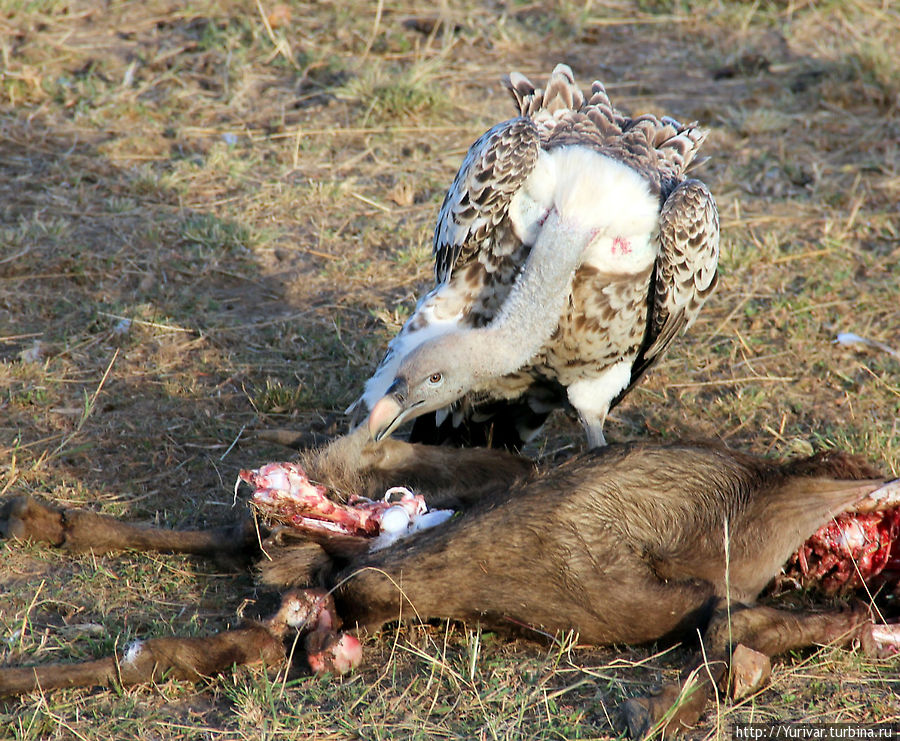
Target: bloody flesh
852 550
284 493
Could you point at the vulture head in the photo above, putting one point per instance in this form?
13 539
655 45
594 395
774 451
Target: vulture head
432 376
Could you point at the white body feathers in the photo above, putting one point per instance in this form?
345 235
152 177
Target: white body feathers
577 207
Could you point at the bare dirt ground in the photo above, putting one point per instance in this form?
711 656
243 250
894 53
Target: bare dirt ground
214 215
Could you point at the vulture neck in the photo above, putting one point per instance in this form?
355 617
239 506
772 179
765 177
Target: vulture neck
531 312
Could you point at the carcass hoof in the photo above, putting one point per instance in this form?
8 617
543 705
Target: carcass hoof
636 712
669 712
25 518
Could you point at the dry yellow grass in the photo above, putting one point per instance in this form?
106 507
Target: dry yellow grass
213 217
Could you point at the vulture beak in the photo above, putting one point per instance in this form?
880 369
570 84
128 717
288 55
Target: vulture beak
389 411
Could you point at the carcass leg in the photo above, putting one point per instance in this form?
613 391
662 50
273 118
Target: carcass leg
194 658
76 530
737 646
153 660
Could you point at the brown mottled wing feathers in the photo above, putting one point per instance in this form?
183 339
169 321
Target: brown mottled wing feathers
562 94
686 272
491 174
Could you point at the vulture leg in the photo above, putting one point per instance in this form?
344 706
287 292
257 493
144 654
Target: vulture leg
78 531
594 430
592 398
737 646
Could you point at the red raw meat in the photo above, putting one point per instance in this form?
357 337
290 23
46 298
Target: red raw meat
851 550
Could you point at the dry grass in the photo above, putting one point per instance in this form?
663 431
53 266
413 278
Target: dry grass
211 224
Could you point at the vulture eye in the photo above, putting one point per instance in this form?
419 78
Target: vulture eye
435 378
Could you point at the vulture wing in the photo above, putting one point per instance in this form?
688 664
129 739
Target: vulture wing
478 200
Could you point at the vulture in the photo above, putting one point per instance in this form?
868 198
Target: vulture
570 251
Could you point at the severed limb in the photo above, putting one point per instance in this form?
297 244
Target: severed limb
153 660
78 531
307 611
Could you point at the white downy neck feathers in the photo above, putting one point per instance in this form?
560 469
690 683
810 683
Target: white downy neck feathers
577 203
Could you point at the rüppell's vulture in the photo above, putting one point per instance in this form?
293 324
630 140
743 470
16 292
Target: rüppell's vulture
570 251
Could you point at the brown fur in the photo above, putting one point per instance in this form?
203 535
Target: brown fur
77 531
176 658
623 544
451 478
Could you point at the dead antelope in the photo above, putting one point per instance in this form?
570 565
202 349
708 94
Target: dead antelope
623 545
